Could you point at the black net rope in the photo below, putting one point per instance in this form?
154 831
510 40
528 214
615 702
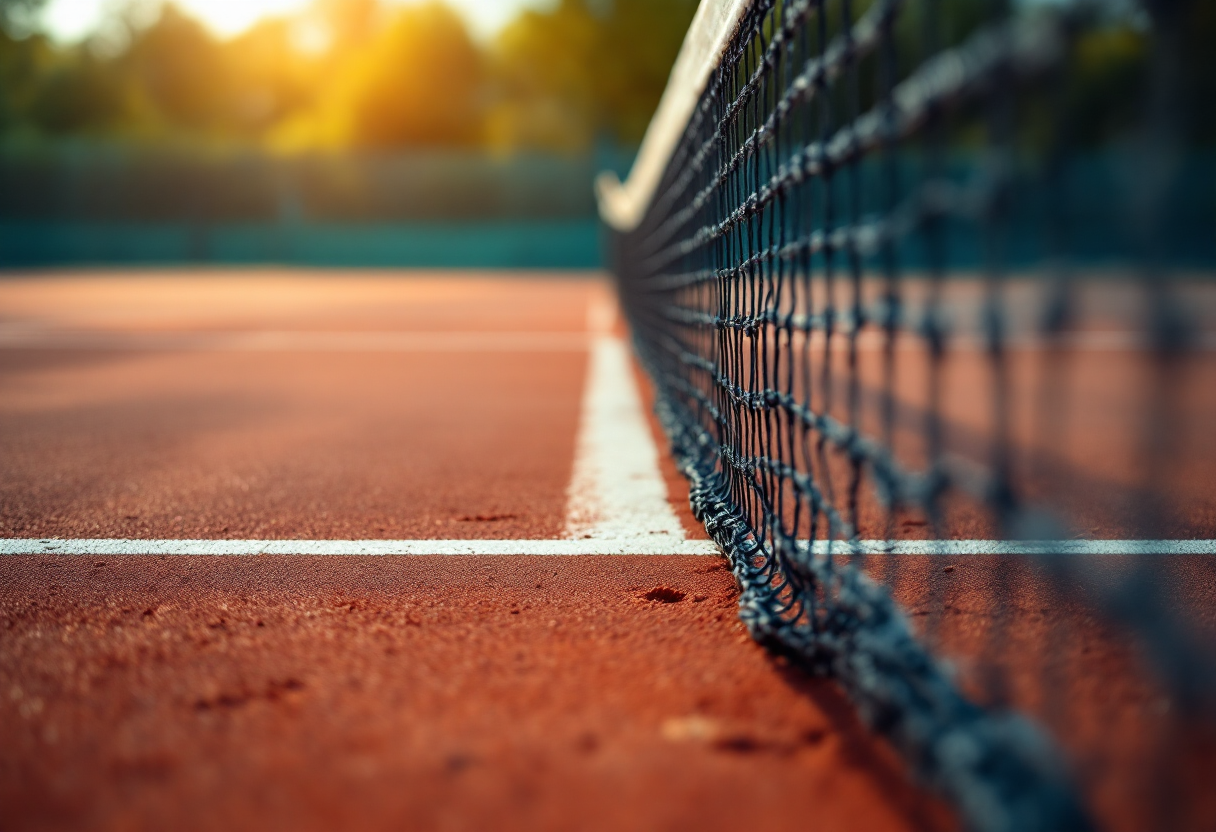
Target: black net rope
777 242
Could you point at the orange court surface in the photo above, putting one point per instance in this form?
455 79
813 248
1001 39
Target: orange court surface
436 692
482 685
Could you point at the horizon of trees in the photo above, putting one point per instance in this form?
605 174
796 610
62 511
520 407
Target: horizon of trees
376 75
348 74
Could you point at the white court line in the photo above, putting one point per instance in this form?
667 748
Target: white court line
617 500
617 492
618 503
12 337
661 546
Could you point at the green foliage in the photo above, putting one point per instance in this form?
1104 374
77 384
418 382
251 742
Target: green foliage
23 63
385 77
15 13
179 69
77 95
585 71
417 84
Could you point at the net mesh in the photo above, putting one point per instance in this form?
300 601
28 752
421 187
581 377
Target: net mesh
909 276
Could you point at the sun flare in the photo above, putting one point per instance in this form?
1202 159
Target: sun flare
71 20
229 17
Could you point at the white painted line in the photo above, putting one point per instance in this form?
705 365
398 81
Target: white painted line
617 492
13 337
634 546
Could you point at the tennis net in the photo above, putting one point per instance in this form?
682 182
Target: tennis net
925 290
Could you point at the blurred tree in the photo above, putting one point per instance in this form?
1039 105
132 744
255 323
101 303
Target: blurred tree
419 82
639 43
21 64
348 24
272 76
369 74
80 93
18 14
21 61
179 68
582 70
543 79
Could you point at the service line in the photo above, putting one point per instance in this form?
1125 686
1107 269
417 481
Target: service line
574 548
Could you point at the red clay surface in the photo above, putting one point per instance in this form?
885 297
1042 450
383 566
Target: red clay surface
298 300
507 693
1015 641
289 444
1094 427
419 693
286 445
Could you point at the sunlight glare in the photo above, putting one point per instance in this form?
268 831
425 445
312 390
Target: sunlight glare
71 20
230 17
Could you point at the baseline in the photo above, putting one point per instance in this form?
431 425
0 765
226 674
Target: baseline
575 548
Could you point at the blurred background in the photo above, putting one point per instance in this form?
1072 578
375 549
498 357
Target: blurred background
323 132
393 133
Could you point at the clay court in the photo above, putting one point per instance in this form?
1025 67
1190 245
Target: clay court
492 677
427 692
701 415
